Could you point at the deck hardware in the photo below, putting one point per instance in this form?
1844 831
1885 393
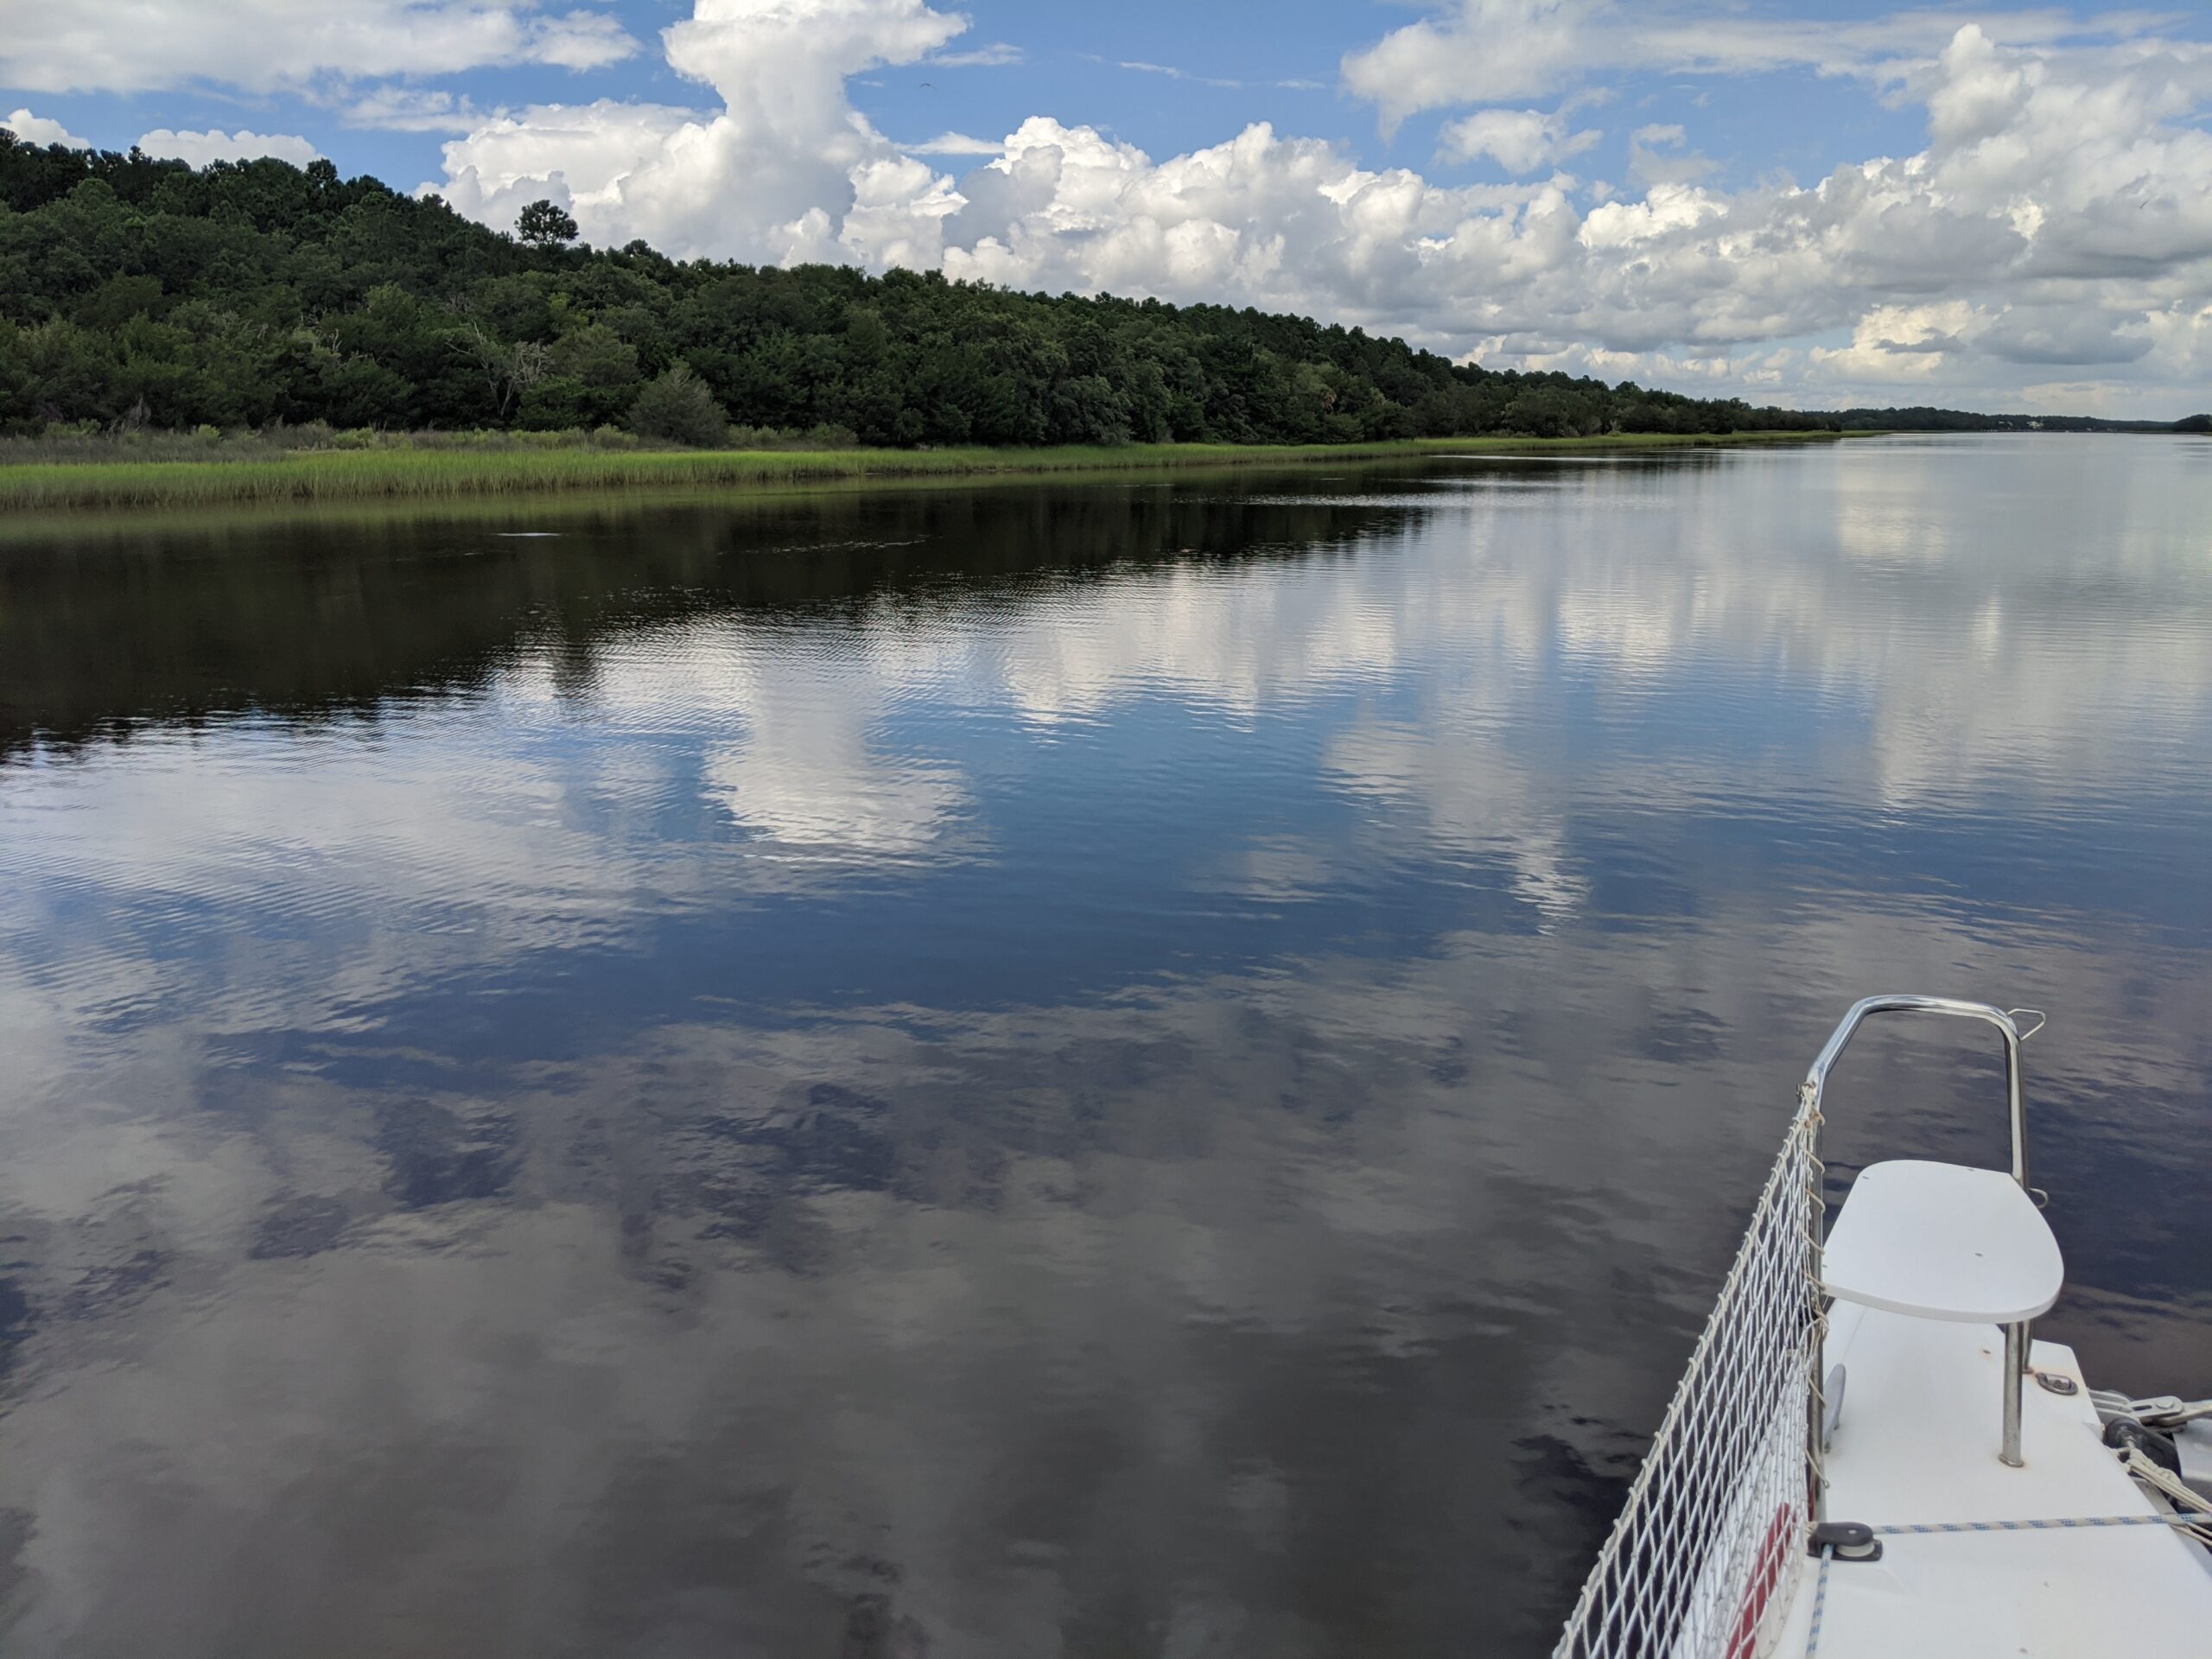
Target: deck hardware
2166 1411
1846 1541
2056 1382
2124 1434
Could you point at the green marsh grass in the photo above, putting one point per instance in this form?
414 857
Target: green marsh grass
432 474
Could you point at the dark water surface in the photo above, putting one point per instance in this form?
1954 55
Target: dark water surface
1099 1069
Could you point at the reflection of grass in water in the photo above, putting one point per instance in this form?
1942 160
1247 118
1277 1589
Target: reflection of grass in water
432 474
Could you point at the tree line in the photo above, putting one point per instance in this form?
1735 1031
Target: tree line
138 292
1920 419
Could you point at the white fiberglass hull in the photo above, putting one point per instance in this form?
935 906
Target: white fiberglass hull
1917 1445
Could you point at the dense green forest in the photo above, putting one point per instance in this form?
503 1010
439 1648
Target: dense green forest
143 293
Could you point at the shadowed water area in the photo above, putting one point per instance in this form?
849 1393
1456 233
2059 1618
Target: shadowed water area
1102 1069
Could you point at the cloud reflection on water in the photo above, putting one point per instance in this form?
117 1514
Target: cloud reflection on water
1131 1067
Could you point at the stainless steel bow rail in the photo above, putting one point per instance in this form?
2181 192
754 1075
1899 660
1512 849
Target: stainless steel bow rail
1808 1101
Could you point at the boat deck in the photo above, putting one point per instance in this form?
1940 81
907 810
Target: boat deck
1917 1443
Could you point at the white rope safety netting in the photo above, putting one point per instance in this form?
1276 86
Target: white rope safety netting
1701 1561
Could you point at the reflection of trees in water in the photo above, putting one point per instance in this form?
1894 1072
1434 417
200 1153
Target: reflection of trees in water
325 618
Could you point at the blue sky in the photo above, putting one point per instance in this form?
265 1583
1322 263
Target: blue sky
1805 201
1235 62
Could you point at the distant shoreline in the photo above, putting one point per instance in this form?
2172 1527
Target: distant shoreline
432 474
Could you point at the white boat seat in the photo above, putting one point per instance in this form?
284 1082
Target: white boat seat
1943 1241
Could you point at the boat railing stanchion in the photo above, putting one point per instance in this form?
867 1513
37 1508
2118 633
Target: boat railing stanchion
2016 1335
1816 1480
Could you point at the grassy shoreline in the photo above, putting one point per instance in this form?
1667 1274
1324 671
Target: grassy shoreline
435 474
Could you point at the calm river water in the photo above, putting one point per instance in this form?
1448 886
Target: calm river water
1096 1070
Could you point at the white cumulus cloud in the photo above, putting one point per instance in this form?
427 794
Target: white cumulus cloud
776 173
216 145
1520 141
37 130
